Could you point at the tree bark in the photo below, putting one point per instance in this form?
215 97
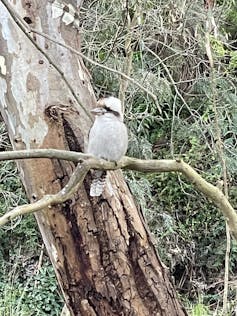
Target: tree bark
100 248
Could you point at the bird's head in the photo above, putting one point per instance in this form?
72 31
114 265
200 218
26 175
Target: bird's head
109 105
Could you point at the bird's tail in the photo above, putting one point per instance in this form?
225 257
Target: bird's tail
98 183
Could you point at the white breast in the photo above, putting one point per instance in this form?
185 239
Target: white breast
108 138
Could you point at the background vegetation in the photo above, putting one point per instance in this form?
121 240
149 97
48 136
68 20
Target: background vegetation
163 46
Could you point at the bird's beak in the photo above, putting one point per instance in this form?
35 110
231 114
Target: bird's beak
98 111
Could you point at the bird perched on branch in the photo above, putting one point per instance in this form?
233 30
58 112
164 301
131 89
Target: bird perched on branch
108 138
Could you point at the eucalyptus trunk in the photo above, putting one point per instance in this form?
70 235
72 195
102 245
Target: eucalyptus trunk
100 249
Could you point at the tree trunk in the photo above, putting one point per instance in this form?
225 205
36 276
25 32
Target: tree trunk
103 257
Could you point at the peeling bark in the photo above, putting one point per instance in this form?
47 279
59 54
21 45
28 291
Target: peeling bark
101 251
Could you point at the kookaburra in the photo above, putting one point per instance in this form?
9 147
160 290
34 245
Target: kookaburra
108 138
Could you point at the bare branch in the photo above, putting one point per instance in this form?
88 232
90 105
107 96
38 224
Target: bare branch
50 200
127 66
87 162
43 153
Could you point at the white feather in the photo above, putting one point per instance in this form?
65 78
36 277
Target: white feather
108 138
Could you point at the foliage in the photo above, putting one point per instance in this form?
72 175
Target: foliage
200 310
26 289
37 295
41 293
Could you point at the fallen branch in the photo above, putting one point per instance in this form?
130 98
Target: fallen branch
87 162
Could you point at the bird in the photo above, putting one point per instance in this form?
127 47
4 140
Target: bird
108 138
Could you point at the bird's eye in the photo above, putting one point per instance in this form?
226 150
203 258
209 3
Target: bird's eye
111 111
107 109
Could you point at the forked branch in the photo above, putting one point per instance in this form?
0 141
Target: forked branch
86 162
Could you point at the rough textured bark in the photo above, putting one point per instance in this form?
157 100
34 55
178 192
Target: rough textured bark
102 254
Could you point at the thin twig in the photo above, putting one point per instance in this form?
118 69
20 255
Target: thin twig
168 74
220 147
127 66
39 265
91 61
